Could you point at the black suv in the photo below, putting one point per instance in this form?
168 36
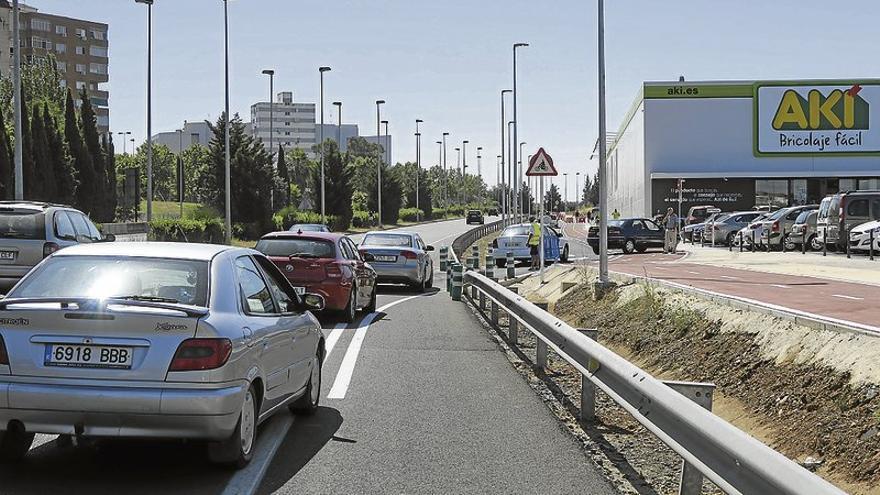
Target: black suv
475 216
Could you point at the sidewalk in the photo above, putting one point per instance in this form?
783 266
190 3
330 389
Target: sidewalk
858 269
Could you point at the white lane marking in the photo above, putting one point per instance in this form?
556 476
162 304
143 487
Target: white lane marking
844 296
444 238
693 273
781 286
729 277
332 338
247 480
346 370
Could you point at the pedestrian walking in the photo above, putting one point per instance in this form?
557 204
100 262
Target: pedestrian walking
615 214
533 242
670 222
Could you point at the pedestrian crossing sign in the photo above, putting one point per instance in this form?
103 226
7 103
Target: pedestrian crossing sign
541 164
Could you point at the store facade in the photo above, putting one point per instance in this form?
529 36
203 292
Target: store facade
737 145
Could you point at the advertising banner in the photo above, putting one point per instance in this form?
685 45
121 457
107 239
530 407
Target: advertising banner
817 118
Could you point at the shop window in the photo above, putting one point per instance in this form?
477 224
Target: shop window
799 191
771 192
847 185
857 208
869 184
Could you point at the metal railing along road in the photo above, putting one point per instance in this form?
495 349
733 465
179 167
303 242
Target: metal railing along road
463 241
733 460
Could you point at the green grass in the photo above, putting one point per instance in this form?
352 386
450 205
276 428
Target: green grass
171 209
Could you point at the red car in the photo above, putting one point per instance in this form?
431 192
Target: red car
325 264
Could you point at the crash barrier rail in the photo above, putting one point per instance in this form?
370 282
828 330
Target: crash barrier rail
708 445
463 241
127 231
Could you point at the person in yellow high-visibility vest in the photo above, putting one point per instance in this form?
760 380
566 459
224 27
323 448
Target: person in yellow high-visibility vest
534 242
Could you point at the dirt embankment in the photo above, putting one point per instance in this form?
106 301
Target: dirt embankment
812 412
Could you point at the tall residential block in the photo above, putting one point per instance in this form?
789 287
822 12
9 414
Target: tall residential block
293 124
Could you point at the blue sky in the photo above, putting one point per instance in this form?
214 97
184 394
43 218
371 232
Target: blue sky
445 62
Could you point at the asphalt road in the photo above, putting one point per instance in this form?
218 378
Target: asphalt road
415 398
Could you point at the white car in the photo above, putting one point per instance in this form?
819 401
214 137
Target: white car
860 236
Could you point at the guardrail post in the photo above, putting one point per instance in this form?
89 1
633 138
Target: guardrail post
444 256
540 345
483 302
513 323
474 292
449 278
457 273
691 481
588 390
493 313
490 263
511 265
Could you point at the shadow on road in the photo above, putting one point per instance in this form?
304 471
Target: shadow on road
304 440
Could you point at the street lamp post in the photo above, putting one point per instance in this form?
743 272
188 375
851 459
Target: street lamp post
577 194
458 167
505 204
565 192
387 153
227 158
379 164
149 4
498 182
480 167
603 173
517 180
16 101
180 167
321 71
338 105
271 74
418 163
511 149
464 171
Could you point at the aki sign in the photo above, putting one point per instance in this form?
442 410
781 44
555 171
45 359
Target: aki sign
817 119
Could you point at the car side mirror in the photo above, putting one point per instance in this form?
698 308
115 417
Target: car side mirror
368 257
429 248
313 302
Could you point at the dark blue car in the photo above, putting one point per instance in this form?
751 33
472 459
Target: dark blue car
629 234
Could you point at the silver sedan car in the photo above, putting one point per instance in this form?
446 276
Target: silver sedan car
155 340
400 258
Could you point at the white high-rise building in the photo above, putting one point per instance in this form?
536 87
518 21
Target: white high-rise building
293 124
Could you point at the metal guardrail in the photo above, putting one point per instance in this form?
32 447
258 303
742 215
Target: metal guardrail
733 460
463 241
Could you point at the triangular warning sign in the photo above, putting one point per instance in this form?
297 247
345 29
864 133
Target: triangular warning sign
541 164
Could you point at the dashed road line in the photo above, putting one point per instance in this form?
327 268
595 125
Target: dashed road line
729 277
844 296
346 370
781 286
693 273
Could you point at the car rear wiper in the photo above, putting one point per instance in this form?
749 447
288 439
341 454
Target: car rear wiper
146 298
303 255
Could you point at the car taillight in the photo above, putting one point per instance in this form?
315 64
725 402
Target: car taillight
333 270
201 354
4 357
49 248
409 255
775 226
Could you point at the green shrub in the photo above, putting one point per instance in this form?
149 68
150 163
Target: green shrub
438 213
411 214
362 219
290 215
187 230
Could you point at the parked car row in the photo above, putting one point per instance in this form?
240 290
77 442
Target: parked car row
171 340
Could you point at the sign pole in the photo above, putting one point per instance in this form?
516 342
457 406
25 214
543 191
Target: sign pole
541 240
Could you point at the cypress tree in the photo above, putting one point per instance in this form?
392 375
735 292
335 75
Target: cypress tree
7 189
32 185
42 185
82 161
284 175
65 176
109 176
92 142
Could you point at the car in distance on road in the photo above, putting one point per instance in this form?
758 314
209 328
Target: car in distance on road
515 239
31 231
474 216
629 234
860 236
727 228
308 227
155 340
399 258
325 264
804 230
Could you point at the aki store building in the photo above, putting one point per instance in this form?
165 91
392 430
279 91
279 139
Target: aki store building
737 145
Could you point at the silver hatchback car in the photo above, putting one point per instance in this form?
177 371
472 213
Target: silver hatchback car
155 340
30 231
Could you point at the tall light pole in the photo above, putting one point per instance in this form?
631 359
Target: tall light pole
480 166
445 175
577 194
227 158
603 184
519 199
180 167
379 164
149 4
458 167
505 204
338 105
16 99
418 163
565 192
517 181
464 171
511 149
321 71
532 187
271 74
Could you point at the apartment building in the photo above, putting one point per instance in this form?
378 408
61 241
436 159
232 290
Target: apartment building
293 124
80 48
340 135
191 134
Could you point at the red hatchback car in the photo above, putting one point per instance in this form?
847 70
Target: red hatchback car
325 264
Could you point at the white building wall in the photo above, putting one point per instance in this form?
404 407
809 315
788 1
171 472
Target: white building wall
628 187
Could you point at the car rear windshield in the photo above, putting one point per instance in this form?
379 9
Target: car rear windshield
22 224
390 240
778 214
615 223
101 277
309 227
802 218
473 212
516 230
299 247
